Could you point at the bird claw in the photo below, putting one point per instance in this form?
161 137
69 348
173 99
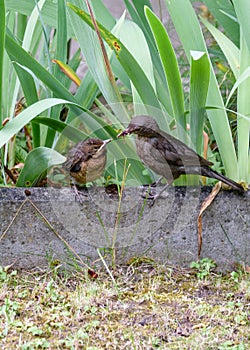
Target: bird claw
152 195
78 194
148 194
152 200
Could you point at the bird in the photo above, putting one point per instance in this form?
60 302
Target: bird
168 156
86 161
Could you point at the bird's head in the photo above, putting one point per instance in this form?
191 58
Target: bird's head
95 146
141 125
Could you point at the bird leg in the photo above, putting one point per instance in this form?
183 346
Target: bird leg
149 194
161 191
153 199
156 183
78 193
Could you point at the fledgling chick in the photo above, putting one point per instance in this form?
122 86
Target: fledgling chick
86 161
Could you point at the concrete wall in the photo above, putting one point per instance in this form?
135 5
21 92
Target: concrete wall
166 232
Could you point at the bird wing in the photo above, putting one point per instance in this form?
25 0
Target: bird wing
176 152
75 157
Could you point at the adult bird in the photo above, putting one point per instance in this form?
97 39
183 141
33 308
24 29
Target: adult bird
168 156
86 161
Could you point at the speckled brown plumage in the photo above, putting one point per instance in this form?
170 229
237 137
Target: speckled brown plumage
86 160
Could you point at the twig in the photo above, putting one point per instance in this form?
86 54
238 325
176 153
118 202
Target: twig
14 218
48 223
56 233
108 270
206 203
9 173
118 214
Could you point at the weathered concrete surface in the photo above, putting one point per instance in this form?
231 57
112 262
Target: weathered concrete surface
167 232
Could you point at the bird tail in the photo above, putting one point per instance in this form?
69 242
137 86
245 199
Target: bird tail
208 172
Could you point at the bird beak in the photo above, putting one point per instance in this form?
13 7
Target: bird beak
105 142
123 133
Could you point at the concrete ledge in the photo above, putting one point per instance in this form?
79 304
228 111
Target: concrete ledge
166 232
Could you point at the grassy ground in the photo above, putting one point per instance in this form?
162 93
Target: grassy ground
148 307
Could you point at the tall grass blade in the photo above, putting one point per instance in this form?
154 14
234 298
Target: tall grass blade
198 94
224 13
171 69
2 43
190 34
131 66
243 107
230 50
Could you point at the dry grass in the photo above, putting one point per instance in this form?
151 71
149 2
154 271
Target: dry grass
150 307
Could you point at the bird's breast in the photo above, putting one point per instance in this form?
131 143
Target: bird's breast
90 170
152 157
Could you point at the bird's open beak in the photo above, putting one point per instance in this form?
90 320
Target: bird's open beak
105 142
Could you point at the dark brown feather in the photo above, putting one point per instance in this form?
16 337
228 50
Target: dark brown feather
86 160
168 156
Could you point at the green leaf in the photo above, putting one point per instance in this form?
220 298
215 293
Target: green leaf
198 94
138 16
16 124
49 12
60 54
224 13
85 94
190 34
102 14
37 162
30 93
25 79
134 40
94 57
30 28
238 60
229 49
67 130
61 40
242 78
130 65
243 107
19 55
170 65
242 9
140 8
2 42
